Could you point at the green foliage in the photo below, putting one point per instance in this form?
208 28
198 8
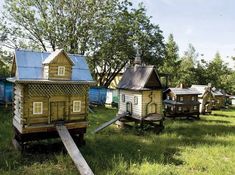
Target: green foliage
171 61
186 66
5 63
205 146
106 31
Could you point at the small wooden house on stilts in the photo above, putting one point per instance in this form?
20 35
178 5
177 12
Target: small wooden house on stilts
49 88
140 94
205 98
218 100
181 102
140 97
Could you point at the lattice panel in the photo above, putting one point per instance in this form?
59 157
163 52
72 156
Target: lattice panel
56 89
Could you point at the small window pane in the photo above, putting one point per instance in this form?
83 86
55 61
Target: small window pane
123 97
181 98
76 106
37 107
195 107
180 108
61 70
193 98
136 100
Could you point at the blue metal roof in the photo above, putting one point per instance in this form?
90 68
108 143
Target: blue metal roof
29 66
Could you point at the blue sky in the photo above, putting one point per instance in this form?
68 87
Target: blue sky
208 24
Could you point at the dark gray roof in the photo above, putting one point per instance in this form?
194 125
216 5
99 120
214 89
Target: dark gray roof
184 91
138 78
29 66
217 93
181 103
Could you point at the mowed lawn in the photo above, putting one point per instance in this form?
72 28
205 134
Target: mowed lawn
205 146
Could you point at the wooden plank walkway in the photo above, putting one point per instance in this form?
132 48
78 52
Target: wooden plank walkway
106 124
73 151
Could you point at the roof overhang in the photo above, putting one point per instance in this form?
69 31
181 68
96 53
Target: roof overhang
25 81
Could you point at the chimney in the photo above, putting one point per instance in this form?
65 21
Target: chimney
137 61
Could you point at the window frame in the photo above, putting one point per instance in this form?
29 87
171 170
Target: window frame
80 105
59 69
181 98
180 109
123 98
135 100
193 98
34 108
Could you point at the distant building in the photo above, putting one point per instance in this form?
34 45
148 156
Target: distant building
181 102
205 98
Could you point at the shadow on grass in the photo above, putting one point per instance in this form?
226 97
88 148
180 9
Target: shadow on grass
223 115
101 150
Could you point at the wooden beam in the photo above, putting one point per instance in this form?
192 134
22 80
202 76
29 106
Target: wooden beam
73 151
110 122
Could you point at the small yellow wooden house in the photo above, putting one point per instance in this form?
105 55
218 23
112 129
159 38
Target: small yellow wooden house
49 88
140 92
218 100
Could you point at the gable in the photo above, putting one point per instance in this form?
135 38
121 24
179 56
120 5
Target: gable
62 59
58 56
153 81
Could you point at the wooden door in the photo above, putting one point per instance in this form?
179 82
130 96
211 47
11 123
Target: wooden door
129 107
57 111
152 108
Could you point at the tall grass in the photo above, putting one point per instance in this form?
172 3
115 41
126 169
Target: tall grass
205 146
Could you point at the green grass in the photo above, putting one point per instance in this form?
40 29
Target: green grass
185 147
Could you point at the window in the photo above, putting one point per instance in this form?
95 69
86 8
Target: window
181 98
123 97
37 107
76 106
194 107
165 106
61 70
135 100
193 98
173 98
180 108
217 101
168 97
172 108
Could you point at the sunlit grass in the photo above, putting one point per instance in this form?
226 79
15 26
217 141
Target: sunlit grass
205 146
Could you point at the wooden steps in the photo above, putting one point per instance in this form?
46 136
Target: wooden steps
73 151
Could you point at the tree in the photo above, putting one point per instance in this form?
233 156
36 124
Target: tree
187 66
171 61
105 31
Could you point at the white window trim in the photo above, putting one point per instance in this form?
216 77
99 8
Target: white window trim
181 98
34 105
63 68
135 100
80 105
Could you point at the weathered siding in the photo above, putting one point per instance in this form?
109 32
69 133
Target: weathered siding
129 97
147 104
54 108
18 103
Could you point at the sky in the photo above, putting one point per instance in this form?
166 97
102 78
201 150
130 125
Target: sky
209 25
